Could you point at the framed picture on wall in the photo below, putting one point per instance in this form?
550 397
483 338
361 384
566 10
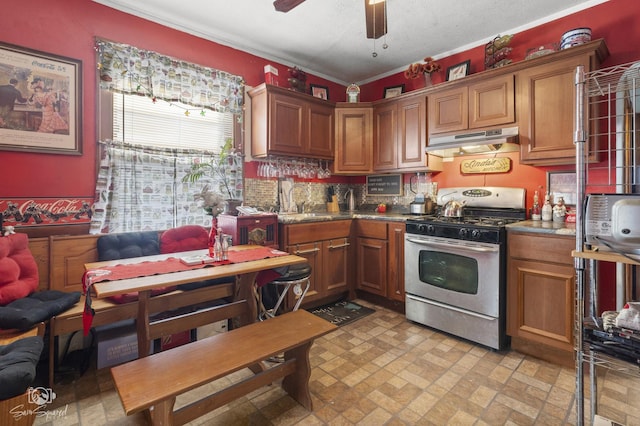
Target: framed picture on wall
321 92
41 107
393 91
458 71
562 184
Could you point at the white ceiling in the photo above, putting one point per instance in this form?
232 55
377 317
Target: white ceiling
327 38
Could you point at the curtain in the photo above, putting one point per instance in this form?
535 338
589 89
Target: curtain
127 69
140 188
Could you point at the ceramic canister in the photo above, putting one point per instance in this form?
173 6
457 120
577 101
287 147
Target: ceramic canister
575 37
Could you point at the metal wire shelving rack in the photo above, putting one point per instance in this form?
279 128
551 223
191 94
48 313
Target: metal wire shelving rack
607 135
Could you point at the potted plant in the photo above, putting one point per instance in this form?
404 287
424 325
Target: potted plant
218 171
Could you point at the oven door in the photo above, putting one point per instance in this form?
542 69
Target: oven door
463 274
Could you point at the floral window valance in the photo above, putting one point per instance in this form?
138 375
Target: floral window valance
127 69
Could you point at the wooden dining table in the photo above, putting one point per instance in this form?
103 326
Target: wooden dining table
245 274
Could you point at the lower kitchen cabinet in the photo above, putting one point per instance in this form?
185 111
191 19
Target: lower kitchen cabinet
541 296
380 258
326 245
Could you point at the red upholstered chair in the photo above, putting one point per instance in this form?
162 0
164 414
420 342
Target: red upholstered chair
21 306
18 269
184 238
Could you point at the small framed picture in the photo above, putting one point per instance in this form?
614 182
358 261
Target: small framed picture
562 184
393 91
457 71
321 92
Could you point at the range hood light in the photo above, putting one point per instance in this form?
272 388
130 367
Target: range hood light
479 142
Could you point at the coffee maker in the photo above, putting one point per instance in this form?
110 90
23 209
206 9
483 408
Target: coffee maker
423 202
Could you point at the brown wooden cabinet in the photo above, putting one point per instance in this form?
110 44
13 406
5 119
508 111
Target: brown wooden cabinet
400 136
483 103
541 295
395 285
284 122
326 245
546 110
354 139
380 258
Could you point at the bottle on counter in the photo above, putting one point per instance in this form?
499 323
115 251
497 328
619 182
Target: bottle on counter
547 210
535 210
217 249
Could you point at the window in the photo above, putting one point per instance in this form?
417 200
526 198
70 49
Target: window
157 117
139 120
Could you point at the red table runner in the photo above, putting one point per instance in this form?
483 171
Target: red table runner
172 264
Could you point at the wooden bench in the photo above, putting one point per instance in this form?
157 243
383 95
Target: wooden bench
154 382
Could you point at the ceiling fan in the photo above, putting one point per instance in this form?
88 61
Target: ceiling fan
375 14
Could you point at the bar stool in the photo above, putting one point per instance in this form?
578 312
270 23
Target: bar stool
296 276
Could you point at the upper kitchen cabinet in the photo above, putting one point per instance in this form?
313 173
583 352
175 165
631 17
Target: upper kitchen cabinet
284 122
354 139
546 97
483 103
400 136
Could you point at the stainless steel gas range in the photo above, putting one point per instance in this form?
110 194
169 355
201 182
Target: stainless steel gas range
455 267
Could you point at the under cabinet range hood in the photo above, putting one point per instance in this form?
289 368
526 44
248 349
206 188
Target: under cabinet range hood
475 142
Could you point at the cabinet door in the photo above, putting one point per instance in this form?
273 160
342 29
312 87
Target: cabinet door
372 265
354 141
385 150
321 133
540 303
546 97
286 127
492 102
335 259
313 253
412 133
395 287
448 110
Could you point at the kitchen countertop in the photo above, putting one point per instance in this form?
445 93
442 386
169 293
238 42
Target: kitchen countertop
540 227
325 217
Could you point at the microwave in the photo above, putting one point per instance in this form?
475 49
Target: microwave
612 222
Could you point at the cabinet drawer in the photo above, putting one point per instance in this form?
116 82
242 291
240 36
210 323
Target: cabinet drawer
316 231
541 247
371 229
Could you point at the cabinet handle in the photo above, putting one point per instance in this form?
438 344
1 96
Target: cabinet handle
313 250
331 247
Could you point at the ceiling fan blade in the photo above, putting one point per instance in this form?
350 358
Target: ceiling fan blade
375 18
286 5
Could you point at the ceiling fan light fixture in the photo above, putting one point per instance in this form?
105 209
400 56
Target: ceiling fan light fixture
286 5
375 18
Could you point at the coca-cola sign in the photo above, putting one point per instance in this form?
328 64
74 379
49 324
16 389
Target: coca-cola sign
45 211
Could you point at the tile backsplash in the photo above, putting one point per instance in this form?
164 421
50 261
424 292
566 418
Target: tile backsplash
263 193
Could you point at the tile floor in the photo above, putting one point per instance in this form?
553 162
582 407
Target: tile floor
384 370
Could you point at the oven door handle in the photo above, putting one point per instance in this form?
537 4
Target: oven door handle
451 308
450 246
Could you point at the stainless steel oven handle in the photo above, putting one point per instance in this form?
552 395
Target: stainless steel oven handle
450 246
451 308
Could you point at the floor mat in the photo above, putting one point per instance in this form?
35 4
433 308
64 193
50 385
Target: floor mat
341 313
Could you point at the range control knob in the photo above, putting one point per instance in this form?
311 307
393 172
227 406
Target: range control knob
431 230
475 234
464 233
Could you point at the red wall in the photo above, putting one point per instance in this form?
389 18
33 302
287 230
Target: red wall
68 28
